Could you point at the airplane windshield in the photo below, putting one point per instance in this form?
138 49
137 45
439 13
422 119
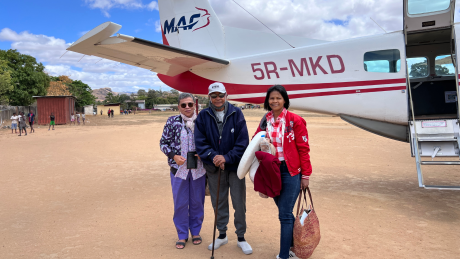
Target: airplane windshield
427 6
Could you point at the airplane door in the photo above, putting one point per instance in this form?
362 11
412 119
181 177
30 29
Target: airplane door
423 15
455 32
432 76
430 54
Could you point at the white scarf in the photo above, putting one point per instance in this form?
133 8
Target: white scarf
189 122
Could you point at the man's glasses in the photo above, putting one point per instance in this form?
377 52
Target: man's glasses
184 105
221 95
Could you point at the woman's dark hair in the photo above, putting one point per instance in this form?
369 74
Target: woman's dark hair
282 91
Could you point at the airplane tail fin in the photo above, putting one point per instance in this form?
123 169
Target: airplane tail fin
192 25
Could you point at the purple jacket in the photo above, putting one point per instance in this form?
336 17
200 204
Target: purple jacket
170 143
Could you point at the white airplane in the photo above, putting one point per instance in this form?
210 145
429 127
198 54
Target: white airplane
401 85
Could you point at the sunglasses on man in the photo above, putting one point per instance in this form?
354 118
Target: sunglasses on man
214 96
184 105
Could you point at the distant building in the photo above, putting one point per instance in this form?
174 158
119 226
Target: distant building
88 109
105 107
139 103
165 107
60 106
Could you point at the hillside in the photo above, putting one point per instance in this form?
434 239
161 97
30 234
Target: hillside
102 92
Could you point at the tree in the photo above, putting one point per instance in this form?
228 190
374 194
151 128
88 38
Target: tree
27 76
442 71
63 85
82 93
6 85
141 92
418 70
110 98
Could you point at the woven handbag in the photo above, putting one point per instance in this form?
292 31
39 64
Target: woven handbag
306 236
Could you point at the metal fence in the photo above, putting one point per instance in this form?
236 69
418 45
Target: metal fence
7 111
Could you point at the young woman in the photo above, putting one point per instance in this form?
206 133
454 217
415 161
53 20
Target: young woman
287 131
188 185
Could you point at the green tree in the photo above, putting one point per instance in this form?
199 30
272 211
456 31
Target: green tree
111 98
6 85
82 93
418 70
141 94
442 71
27 76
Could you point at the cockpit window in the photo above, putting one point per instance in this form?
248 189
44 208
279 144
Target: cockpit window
443 66
418 67
427 6
382 61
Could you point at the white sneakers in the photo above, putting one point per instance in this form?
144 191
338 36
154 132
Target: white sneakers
247 249
219 242
291 255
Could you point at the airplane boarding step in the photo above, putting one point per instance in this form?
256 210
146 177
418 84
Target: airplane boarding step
435 138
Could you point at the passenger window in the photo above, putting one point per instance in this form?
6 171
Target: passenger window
443 66
427 6
382 61
418 67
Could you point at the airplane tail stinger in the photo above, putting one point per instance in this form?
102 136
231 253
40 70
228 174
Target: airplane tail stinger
192 25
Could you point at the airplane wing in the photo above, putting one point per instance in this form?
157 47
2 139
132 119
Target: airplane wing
154 56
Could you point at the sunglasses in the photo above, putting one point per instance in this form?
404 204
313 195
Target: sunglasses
184 105
214 96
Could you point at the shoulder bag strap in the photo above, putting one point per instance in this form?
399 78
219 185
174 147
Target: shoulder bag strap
309 194
298 203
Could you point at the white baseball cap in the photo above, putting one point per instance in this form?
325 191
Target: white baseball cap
217 87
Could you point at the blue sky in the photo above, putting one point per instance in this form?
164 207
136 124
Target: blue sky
39 24
66 19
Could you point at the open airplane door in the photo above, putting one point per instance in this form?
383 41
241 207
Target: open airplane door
153 56
432 77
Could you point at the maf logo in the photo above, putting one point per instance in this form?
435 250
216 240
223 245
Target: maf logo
182 23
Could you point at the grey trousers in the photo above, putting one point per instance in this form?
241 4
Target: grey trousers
228 180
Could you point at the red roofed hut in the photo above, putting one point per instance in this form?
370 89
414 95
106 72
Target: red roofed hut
61 106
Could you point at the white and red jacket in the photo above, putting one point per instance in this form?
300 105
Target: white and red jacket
295 145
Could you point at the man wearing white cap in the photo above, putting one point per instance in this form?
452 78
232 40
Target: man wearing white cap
221 137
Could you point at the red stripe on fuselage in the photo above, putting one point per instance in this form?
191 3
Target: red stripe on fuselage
192 83
305 95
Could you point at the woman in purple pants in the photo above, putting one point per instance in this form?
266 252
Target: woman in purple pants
188 185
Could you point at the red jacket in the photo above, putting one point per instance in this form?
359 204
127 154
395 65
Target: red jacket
268 176
295 145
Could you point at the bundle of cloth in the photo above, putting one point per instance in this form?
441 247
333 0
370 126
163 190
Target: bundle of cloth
259 159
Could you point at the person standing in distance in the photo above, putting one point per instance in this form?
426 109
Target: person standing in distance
52 123
22 124
221 137
31 117
14 123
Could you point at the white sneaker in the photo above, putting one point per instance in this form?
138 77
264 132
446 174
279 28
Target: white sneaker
247 249
291 255
219 242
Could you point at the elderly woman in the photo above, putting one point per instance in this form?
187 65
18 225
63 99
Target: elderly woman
287 131
188 185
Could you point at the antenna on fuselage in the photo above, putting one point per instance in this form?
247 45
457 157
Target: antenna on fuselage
263 24
378 25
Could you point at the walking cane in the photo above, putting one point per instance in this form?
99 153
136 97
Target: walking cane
215 214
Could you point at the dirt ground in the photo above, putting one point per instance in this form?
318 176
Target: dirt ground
103 191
